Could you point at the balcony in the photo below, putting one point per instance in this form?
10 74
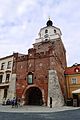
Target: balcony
6 83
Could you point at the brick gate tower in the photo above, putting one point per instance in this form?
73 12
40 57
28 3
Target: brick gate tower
40 73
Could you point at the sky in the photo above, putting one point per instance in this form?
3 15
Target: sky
21 20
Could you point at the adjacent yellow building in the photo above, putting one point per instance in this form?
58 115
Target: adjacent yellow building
72 77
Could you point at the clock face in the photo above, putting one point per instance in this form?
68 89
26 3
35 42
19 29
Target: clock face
46 35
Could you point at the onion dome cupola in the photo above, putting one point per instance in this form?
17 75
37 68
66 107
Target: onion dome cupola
49 23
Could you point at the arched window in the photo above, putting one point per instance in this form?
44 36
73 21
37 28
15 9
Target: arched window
46 31
30 78
54 31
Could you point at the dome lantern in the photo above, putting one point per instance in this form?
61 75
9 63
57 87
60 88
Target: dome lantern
49 23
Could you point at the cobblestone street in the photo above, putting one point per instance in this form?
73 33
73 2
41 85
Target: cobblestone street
62 115
8 108
39 113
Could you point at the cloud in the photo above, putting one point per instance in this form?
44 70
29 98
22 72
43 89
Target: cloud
25 6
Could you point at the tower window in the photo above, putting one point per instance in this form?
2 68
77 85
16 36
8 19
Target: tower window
30 78
46 39
54 31
46 31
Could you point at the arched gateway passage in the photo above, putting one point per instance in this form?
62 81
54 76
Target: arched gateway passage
34 96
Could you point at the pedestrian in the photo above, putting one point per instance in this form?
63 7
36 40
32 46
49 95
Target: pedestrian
16 103
50 102
13 102
19 102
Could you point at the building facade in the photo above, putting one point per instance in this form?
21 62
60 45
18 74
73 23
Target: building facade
72 77
40 73
7 77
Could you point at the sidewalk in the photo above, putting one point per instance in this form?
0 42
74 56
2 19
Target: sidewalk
35 109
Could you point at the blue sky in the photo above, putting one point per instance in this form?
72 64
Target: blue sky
21 20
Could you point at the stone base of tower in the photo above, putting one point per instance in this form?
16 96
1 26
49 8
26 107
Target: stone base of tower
55 97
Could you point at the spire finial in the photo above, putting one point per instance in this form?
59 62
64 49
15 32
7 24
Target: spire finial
49 22
49 17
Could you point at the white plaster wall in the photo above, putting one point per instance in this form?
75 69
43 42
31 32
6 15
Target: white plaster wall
12 87
6 60
1 95
51 34
50 31
49 38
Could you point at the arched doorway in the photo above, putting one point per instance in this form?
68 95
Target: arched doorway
34 96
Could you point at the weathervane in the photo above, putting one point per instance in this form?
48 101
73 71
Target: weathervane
49 17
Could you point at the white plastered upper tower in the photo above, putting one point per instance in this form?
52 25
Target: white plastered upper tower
49 33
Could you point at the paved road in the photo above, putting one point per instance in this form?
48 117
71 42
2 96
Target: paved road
62 115
28 109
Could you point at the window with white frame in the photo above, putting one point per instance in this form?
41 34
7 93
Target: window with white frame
2 66
74 80
7 77
9 65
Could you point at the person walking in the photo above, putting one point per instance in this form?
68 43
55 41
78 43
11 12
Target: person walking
16 103
12 102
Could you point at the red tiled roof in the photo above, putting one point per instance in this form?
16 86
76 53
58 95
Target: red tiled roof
75 69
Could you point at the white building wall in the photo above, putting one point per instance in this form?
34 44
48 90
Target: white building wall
1 95
12 87
50 35
50 31
12 79
6 60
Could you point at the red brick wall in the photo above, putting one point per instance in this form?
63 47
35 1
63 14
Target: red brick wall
40 59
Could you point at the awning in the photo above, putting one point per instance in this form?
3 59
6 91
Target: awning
76 91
